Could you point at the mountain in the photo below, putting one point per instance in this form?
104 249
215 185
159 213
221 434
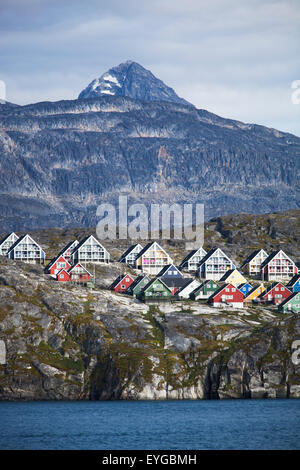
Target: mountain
60 160
132 80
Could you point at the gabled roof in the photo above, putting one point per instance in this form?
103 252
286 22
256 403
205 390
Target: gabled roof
62 270
78 264
118 280
272 255
175 282
190 255
220 290
197 288
293 281
128 251
244 284
156 279
146 248
252 256
84 240
54 260
189 281
210 253
254 288
285 301
8 236
137 281
203 284
21 239
62 252
228 274
271 287
166 268
16 243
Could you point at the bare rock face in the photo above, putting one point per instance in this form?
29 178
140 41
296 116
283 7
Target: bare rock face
70 343
2 352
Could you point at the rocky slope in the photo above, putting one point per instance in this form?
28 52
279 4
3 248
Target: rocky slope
59 160
66 342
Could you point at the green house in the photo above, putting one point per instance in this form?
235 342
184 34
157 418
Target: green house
138 285
204 291
156 289
291 304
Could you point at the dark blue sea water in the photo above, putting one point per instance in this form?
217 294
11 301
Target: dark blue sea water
232 424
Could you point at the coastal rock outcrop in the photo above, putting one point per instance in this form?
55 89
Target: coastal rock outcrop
70 343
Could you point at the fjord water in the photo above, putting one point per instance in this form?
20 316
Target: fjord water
230 424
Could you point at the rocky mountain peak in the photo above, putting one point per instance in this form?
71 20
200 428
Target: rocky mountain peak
133 80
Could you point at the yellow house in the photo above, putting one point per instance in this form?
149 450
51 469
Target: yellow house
234 277
152 258
254 293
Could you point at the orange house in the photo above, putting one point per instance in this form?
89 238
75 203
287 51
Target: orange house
254 293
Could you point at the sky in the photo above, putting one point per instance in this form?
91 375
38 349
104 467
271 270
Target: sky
236 58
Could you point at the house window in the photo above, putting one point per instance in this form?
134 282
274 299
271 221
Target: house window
227 290
233 289
282 289
127 280
61 276
123 286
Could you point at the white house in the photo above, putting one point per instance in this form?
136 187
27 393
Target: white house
90 250
130 255
192 261
186 290
27 250
7 243
215 264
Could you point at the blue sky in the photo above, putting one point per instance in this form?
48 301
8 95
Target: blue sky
235 58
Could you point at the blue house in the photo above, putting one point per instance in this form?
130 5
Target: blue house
245 288
170 272
294 284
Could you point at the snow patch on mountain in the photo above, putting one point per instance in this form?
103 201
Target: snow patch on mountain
134 81
110 78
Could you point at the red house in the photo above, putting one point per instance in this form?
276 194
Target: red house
63 276
275 294
122 283
56 265
227 295
79 273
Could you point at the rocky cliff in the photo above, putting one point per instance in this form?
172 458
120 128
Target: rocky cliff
69 343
